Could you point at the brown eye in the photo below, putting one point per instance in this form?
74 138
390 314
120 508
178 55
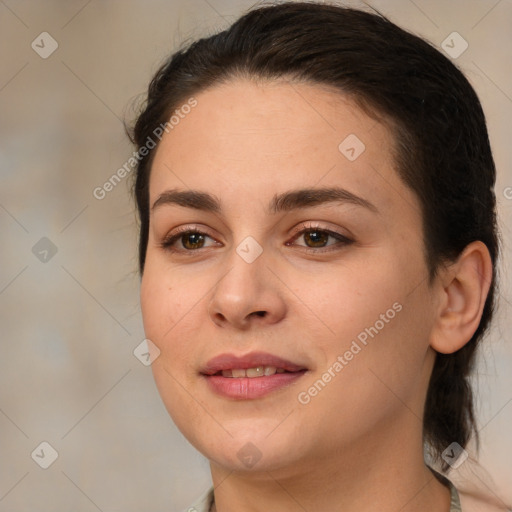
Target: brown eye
192 240
186 241
316 238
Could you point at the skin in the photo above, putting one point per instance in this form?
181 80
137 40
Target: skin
358 440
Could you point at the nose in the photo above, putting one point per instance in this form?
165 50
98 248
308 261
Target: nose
249 294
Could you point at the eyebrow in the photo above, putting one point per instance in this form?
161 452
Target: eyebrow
284 202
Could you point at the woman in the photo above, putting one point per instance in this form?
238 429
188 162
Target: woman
317 249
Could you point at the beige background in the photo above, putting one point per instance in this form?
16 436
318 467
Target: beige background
69 325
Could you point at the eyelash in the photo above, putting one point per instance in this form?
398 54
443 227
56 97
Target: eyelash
169 241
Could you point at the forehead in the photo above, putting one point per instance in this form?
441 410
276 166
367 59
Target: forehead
247 139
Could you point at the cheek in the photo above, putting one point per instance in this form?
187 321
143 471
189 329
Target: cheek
356 296
155 307
164 302
375 370
173 309
168 318
381 314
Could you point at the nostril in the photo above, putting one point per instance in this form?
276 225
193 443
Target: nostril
260 313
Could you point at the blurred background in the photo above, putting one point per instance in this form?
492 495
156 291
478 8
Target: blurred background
70 322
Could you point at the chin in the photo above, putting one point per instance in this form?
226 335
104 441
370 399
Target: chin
252 451
248 458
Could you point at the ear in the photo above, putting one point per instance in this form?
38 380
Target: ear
463 289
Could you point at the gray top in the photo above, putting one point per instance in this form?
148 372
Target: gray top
455 501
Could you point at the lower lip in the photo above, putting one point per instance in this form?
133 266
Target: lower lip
247 388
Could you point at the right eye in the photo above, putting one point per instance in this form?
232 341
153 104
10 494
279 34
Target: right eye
190 240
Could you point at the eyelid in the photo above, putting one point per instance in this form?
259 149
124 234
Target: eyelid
316 225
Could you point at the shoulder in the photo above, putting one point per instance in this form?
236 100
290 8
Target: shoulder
471 502
203 503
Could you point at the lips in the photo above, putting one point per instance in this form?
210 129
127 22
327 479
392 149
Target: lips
225 362
251 376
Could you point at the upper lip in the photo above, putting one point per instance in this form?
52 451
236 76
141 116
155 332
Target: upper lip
251 360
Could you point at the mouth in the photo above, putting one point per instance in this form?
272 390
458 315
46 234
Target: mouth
251 376
255 364
251 373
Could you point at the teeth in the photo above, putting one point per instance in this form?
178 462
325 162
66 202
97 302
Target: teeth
255 372
258 371
270 370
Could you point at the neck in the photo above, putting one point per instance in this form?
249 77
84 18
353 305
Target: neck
389 473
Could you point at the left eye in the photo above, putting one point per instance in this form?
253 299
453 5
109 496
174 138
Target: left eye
318 238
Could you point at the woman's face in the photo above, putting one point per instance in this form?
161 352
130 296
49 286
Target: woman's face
328 285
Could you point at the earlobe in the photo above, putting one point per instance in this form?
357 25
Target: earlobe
464 288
